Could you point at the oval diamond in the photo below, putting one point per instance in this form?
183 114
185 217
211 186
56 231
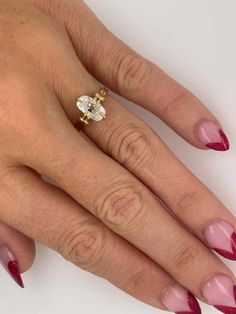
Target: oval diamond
88 105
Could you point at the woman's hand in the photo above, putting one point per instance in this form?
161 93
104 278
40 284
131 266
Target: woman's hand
112 214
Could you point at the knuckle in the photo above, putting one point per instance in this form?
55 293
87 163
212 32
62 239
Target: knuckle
121 206
184 256
133 73
187 201
178 103
134 146
83 244
136 280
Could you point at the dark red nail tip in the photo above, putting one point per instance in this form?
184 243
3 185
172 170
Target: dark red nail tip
227 309
13 269
193 304
223 145
227 254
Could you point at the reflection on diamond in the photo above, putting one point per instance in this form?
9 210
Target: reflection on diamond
87 104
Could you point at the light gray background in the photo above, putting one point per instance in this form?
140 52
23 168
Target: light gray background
195 41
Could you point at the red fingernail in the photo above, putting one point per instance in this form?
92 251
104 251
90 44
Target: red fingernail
10 264
221 237
179 300
212 136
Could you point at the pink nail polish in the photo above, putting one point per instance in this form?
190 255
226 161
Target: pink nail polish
10 264
212 136
220 292
221 237
179 300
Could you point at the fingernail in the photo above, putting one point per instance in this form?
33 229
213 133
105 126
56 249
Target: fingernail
221 237
179 300
10 264
212 136
220 292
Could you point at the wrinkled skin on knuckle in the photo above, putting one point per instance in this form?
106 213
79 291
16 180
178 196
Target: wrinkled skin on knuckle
133 145
186 202
121 206
136 279
83 244
184 257
133 73
179 102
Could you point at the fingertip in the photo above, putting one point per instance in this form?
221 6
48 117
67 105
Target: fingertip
19 245
211 136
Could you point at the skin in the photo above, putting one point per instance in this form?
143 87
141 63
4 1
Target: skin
104 216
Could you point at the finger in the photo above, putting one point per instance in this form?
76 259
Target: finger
53 218
17 252
134 145
126 206
132 76
129 141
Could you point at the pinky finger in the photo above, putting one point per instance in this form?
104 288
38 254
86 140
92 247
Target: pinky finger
61 223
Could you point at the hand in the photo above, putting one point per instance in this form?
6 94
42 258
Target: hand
112 214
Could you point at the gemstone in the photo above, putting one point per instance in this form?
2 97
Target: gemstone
90 106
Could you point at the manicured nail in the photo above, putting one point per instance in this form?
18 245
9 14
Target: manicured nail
10 264
220 292
221 237
212 136
179 300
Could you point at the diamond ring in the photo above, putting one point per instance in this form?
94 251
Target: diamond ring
92 107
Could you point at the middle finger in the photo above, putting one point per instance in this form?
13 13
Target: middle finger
125 205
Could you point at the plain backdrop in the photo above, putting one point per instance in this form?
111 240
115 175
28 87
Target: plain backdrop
195 42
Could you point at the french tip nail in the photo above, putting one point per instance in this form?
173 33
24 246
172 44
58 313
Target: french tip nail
226 309
180 301
194 306
221 237
220 292
229 254
211 136
14 271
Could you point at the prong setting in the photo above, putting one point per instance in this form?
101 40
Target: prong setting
92 108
